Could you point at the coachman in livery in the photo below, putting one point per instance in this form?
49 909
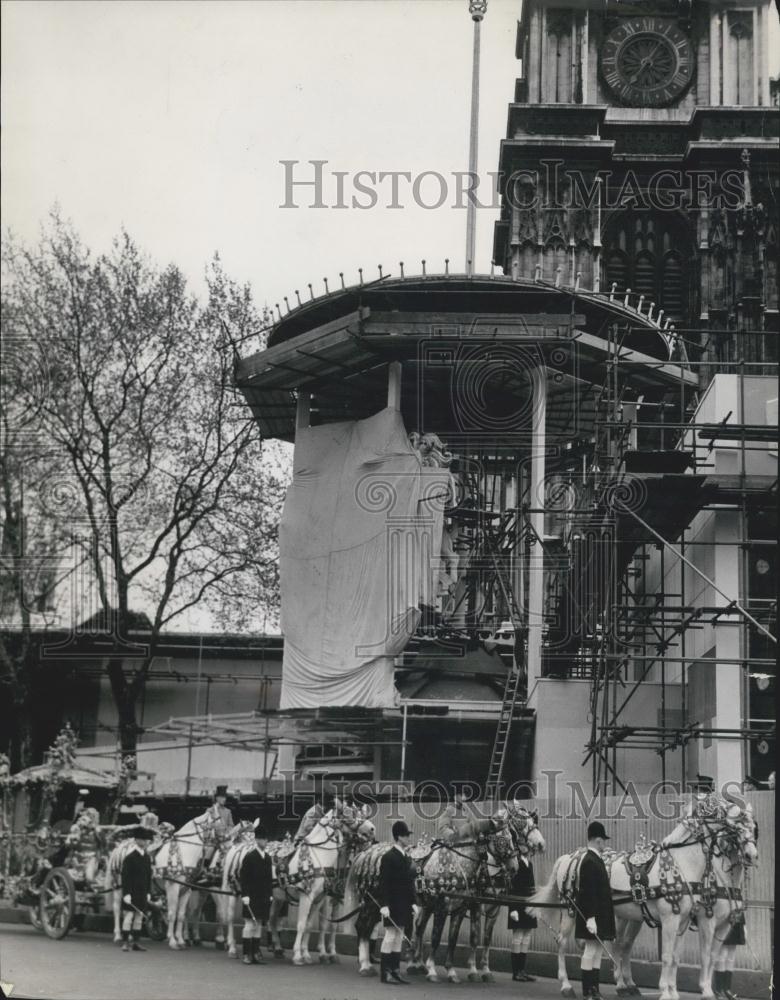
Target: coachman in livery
136 882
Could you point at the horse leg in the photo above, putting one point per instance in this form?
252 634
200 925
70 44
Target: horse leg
219 913
332 931
627 932
709 949
313 915
181 916
227 916
304 906
475 932
456 920
192 918
670 925
323 925
172 901
417 964
565 932
364 924
439 916
116 906
277 905
490 916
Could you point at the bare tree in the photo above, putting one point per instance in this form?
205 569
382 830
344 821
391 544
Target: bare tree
156 468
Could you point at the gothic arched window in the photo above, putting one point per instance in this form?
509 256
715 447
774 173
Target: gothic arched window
649 253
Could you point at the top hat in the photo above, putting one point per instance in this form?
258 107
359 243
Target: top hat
400 829
221 790
141 833
260 832
596 829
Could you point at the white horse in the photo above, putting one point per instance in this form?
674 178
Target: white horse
359 835
242 833
314 870
113 873
731 835
178 860
677 867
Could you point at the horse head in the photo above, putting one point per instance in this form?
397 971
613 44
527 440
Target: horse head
741 831
208 828
311 818
501 841
524 824
357 826
243 832
726 823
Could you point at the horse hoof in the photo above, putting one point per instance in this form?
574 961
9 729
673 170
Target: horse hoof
433 977
334 959
488 977
568 991
369 971
298 961
308 960
278 952
473 977
323 959
453 977
635 991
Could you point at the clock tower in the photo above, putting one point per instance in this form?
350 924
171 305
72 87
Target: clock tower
640 166
640 160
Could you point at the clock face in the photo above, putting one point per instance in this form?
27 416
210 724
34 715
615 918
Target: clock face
647 62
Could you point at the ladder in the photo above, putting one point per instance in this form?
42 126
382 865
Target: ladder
503 729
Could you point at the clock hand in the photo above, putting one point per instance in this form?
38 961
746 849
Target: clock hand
646 61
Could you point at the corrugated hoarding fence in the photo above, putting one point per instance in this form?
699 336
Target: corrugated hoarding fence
567 831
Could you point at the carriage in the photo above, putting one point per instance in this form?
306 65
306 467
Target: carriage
53 846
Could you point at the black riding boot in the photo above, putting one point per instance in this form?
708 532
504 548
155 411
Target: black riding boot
513 957
395 970
522 975
594 984
587 984
136 941
257 954
125 940
246 945
729 993
383 968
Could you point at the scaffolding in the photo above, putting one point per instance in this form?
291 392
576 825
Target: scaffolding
623 627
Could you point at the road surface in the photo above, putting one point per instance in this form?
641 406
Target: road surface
88 966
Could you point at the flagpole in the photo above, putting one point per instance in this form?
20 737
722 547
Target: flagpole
477 10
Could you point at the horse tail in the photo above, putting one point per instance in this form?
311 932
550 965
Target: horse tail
549 892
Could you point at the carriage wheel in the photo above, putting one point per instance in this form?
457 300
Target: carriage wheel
58 903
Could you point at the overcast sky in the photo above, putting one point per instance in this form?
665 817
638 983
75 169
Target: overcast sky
171 119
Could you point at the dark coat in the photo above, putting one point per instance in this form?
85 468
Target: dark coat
594 899
523 884
136 879
736 932
396 887
256 881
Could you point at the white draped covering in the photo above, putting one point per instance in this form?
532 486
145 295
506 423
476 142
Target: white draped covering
360 538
